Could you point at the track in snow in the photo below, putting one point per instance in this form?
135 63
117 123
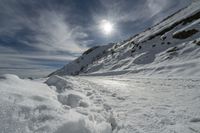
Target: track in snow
99 104
148 105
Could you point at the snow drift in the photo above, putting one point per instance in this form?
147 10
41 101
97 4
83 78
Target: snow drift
33 107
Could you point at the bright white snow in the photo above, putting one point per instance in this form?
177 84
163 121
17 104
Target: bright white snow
100 104
33 107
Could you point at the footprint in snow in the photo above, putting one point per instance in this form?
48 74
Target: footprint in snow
195 120
121 98
89 93
114 95
106 106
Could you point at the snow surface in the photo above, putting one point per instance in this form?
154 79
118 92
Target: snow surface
33 107
100 104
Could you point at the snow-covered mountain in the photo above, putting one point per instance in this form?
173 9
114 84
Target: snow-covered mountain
171 47
81 63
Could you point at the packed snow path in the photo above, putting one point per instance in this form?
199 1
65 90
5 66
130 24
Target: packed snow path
146 105
99 104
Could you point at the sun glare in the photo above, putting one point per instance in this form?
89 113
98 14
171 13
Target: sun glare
106 27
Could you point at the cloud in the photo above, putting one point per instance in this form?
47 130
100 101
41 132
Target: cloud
121 11
55 34
124 11
23 67
47 29
38 37
132 17
156 6
160 9
27 72
34 64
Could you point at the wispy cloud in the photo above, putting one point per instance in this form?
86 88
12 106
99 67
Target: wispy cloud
55 34
124 11
23 67
47 29
35 64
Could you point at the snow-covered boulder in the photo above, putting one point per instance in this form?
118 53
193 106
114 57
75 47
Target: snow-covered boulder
59 82
73 99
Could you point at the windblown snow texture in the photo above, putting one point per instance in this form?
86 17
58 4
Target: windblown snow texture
99 104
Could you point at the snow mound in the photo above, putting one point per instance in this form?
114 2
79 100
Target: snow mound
73 99
82 125
9 76
33 107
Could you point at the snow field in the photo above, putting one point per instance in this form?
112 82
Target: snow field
99 104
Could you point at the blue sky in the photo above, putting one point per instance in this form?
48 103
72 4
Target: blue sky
40 36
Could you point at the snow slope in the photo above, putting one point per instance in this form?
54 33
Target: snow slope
78 65
170 48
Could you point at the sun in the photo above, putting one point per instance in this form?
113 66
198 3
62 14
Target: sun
106 27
